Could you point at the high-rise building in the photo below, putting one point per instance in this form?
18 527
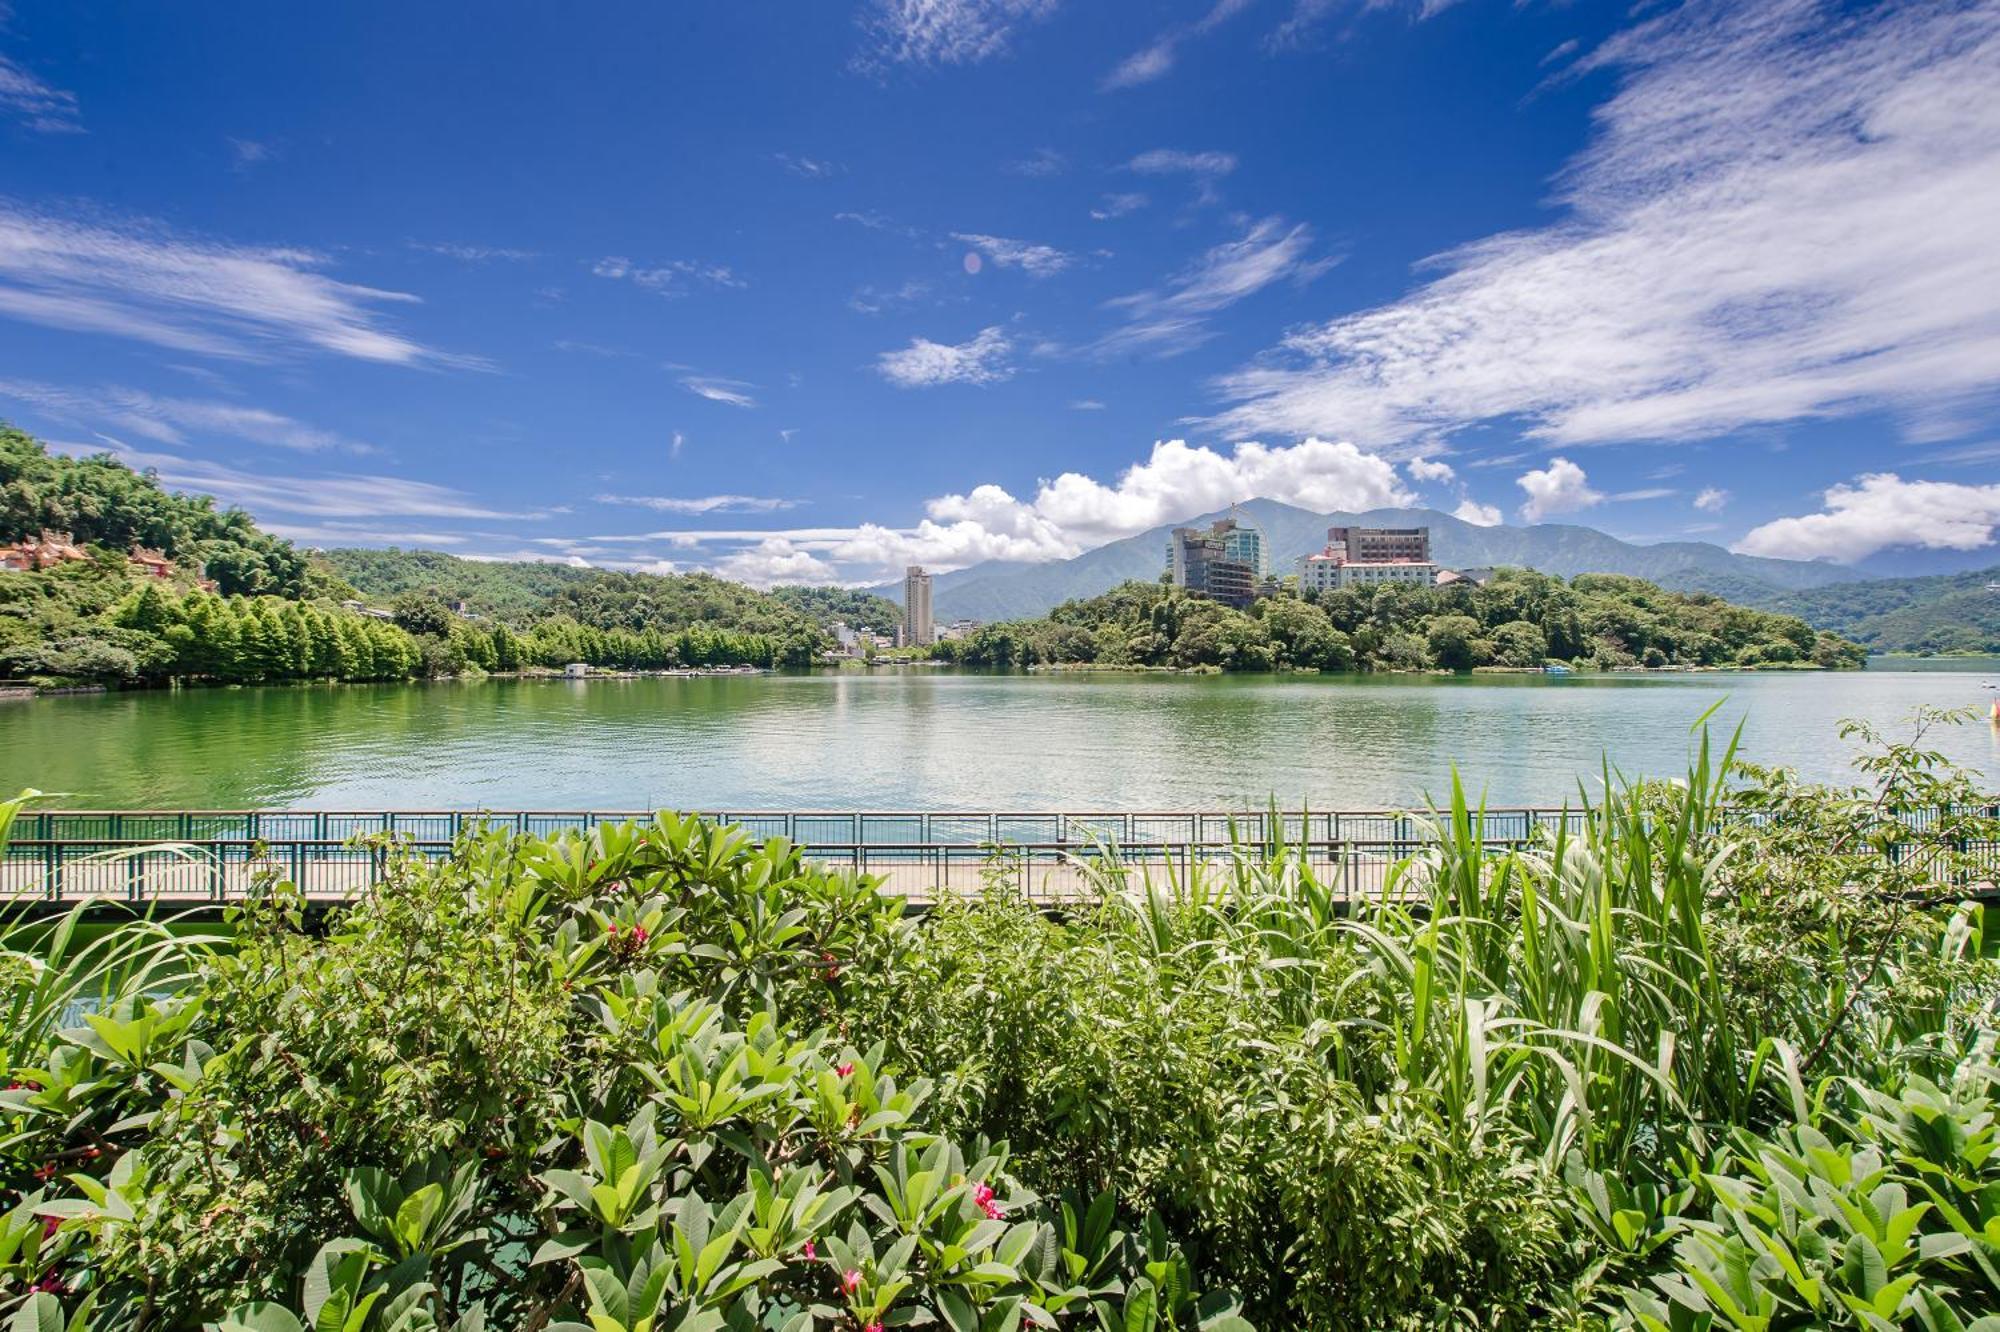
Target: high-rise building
917 628
1380 545
1218 563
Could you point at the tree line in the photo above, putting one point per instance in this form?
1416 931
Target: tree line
1520 619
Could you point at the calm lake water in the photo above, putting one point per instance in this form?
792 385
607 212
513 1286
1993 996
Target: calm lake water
920 739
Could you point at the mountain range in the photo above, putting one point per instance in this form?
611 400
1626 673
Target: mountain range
1003 590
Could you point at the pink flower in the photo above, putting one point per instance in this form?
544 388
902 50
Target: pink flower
982 1194
811 1250
850 1281
639 934
612 929
844 1070
872 1327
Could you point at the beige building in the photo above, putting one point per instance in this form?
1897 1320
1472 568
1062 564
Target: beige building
918 630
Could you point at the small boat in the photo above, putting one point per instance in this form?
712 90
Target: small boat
1557 668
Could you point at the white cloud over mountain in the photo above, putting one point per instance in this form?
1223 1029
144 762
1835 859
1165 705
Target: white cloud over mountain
1561 487
1878 511
1786 211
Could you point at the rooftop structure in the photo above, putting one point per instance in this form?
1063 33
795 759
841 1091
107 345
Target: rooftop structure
44 552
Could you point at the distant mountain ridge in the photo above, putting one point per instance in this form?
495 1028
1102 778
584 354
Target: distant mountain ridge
1002 590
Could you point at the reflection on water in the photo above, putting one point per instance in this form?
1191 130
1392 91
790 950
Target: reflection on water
931 739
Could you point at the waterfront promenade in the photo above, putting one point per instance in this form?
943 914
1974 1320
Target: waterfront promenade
191 858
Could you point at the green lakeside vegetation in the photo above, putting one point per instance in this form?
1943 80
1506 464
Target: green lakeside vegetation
1939 614
1682 1069
1520 619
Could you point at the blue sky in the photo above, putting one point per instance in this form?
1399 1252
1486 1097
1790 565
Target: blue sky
805 292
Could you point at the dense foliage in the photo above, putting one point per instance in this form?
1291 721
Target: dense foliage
1684 1064
100 501
1520 619
1942 613
854 607
95 621
505 589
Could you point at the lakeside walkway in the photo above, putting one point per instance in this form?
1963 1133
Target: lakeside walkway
195 858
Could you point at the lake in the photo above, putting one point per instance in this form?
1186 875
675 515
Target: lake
929 739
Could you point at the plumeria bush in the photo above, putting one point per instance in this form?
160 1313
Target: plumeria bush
1720 1055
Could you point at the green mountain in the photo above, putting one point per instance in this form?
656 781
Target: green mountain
1003 591
1957 612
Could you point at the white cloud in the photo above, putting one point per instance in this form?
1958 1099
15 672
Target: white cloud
874 300
809 167
922 364
701 503
138 280
1041 162
1786 212
1173 161
1712 499
1307 16
174 420
1034 260
1169 319
251 152
774 561
473 254
1086 405
1470 510
34 103
943 32
1561 487
1117 205
1156 58
1074 513
337 495
668 279
1878 511
1429 469
716 389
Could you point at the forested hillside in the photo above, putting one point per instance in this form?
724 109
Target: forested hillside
507 589
1943 613
1522 619
100 501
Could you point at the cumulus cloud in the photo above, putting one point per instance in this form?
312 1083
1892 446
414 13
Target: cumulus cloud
1561 487
1785 211
774 561
1878 511
1074 513
924 364
942 32
1429 469
1034 260
1172 318
34 103
140 281
1711 499
1470 510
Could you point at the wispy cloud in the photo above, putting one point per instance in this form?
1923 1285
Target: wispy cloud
1155 59
734 392
672 278
1712 499
35 104
336 495
874 300
175 421
1170 319
698 504
1032 259
812 168
1041 162
248 153
473 254
1117 205
1786 212
925 364
1177 162
942 32
141 281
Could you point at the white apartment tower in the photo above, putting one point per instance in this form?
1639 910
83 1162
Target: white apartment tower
917 627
